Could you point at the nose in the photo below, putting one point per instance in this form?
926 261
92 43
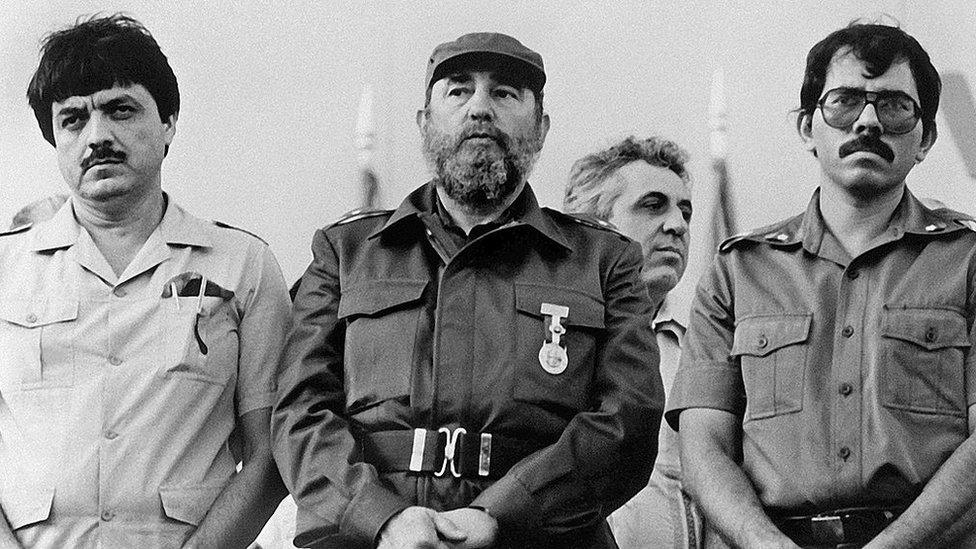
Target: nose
480 107
675 223
868 121
98 132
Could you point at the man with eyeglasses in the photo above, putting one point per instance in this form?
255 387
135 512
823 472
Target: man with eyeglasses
827 389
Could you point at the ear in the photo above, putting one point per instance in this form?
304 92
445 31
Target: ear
543 129
170 127
804 127
927 143
420 118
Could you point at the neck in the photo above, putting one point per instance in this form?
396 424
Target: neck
657 296
467 217
857 221
119 231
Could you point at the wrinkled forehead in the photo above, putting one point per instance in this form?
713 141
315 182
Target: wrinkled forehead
640 178
846 69
118 92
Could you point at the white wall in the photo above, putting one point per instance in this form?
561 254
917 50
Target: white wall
270 92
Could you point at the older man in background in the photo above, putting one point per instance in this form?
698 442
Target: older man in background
642 188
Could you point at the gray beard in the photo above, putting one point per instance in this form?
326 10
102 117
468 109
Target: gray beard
479 177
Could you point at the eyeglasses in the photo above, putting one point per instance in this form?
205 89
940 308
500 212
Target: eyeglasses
897 111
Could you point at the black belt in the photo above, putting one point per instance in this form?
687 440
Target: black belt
855 525
445 452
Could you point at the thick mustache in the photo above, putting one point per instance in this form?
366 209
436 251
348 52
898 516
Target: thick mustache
484 131
100 155
867 143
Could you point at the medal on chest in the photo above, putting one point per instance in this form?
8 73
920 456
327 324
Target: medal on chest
552 355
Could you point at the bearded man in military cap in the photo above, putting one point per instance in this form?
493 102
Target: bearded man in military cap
470 369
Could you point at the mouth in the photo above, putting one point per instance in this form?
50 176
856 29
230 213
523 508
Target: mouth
868 145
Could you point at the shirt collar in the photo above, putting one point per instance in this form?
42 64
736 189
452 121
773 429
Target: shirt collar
61 231
179 228
423 201
910 216
176 227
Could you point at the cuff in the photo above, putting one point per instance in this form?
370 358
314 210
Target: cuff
509 502
369 511
705 385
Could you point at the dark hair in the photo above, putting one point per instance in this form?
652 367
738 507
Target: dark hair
587 191
878 46
96 54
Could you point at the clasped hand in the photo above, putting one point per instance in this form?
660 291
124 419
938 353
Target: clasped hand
423 528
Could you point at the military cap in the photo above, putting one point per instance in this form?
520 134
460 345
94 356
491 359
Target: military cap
492 48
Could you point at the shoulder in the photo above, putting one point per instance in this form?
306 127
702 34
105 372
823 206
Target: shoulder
356 225
20 229
952 219
228 227
785 232
361 214
583 222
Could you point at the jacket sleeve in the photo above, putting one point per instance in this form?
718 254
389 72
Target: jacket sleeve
321 463
606 454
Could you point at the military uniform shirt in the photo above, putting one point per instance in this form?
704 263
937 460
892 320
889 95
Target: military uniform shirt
852 376
118 395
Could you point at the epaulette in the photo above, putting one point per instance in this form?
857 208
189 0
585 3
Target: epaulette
967 222
590 221
946 217
223 225
359 213
16 230
781 233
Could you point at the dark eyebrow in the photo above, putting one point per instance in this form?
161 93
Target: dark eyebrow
72 111
116 101
459 77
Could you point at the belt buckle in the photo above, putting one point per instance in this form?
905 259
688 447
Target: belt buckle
449 448
827 527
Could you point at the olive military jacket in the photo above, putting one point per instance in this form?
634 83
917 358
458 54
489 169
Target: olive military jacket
394 334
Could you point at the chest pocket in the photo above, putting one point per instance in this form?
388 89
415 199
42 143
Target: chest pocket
772 353
381 319
923 354
584 329
198 340
32 355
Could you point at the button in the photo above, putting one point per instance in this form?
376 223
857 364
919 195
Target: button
762 342
931 335
111 435
107 515
845 389
120 292
848 331
853 274
31 318
114 360
844 453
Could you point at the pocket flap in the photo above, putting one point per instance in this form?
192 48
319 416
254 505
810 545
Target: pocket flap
188 504
584 309
761 335
24 505
30 314
928 328
376 296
